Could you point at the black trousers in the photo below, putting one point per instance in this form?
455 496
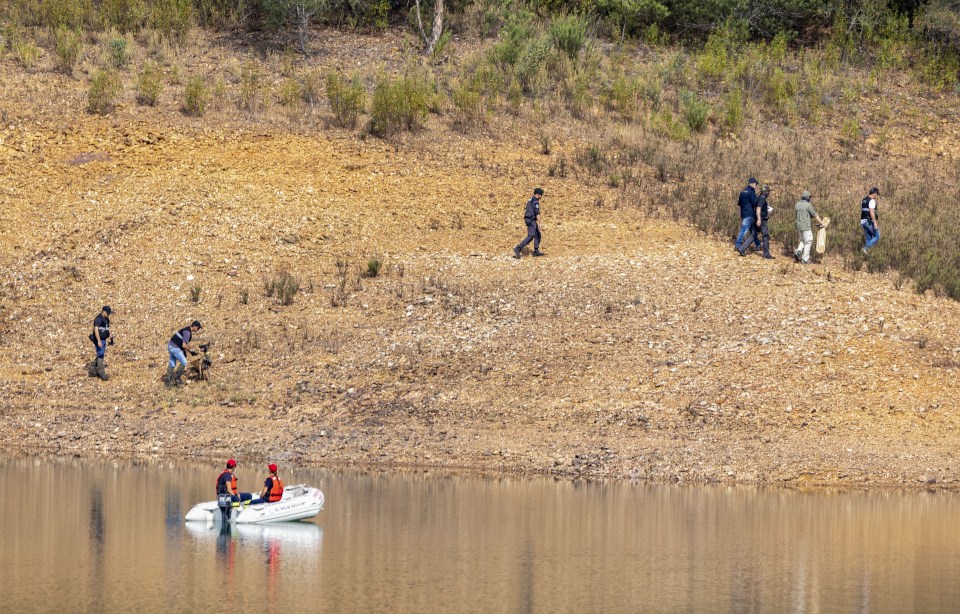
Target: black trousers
533 234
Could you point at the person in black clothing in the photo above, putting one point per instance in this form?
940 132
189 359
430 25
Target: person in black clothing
100 337
178 344
760 227
531 217
227 484
747 203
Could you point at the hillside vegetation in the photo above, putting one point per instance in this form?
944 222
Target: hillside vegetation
338 209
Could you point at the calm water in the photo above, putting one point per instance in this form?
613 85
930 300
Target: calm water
89 536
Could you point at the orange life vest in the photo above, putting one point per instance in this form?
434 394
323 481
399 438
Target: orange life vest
231 485
276 490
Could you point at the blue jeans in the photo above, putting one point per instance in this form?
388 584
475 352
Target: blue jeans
102 350
745 225
176 355
244 496
871 234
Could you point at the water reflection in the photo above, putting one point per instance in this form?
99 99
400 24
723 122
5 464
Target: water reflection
110 536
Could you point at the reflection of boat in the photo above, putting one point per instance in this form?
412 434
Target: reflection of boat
291 534
298 502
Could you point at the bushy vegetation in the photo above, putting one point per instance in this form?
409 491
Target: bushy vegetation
347 98
105 88
149 84
401 104
196 96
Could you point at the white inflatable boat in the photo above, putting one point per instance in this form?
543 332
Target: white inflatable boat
298 502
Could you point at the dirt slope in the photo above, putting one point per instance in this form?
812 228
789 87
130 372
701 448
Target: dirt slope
637 349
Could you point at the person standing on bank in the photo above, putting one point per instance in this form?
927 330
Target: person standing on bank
761 227
531 217
180 342
227 484
747 202
100 337
805 212
868 219
272 488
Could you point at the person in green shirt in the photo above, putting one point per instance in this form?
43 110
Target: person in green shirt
805 213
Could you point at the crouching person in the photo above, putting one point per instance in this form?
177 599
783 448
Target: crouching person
178 344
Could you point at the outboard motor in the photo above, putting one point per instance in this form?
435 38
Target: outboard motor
225 503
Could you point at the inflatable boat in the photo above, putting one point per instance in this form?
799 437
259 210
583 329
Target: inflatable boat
298 502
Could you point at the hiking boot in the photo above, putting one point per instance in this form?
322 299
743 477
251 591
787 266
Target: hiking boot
168 377
102 369
537 252
741 252
516 253
92 368
767 257
796 255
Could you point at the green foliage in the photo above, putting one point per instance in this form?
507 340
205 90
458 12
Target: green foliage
470 106
253 93
105 88
149 84
196 96
117 54
283 285
623 96
123 15
531 66
68 46
695 112
513 40
172 18
734 111
374 265
593 159
664 124
347 98
400 104
628 17
569 34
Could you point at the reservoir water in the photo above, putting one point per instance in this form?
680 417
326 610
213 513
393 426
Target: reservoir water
97 536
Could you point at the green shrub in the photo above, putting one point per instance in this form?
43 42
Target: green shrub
734 112
195 293
196 96
531 67
290 94
105 88
149 84
310 87
569 34
593 159
26 53
400 104
283 285
123 15
469 106
68 45
252 89
374 265
664 124
695 112
623 96
347 98
172 18
117 52
513 40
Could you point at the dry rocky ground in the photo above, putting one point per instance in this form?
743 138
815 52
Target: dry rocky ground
638 349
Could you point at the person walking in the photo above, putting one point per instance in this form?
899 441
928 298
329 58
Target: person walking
531 217
761 227
272 488
805 213
180 342
227 484
747 202
100 338
868 219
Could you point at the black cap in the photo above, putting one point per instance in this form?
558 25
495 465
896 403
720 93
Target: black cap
875 190
197 324
753 181
107 309
538 191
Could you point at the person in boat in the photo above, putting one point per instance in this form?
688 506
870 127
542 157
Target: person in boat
178 344
272 487
227 484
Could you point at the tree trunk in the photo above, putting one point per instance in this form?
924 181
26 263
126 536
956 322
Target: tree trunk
437 27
